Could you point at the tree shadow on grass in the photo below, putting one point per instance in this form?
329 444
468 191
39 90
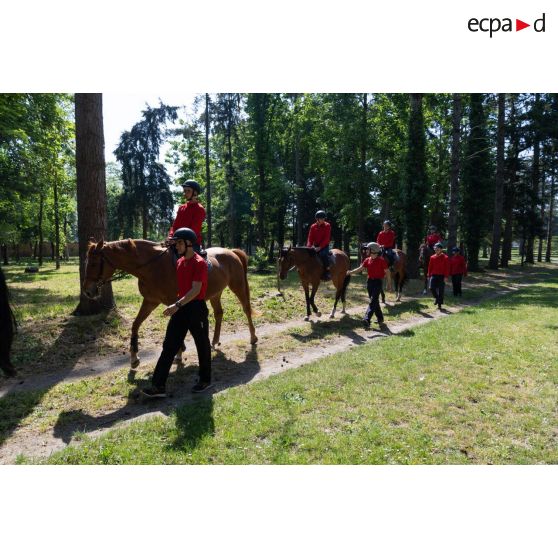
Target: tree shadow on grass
16 402
193 412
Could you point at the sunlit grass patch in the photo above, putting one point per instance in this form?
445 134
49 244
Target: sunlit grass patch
478 387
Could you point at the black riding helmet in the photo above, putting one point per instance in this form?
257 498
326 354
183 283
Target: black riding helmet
432 228
192 184
320 214
185 233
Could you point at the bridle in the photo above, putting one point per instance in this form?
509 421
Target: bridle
120 274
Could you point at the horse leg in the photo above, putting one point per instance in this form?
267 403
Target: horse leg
147 306
389 285
312 303
340 284
346 281
218 313
178 356
242 293
398 287
307 296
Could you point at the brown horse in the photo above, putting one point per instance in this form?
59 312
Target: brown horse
425 253
398 277
153 265
310 269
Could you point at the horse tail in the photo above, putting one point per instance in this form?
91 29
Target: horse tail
346 282
244 259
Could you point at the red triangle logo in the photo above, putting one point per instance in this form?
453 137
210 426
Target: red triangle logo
519 25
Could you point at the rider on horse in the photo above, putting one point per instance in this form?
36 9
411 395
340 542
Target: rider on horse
190 215
433 237
319 236
386 239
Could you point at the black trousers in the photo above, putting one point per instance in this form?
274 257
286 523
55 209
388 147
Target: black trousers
456 282
437 287
190 318
324 256
374 287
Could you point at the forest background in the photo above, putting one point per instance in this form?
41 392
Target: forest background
481 167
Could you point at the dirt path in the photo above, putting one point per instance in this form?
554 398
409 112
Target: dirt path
229 371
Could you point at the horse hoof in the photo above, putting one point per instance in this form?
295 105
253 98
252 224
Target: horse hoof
333 315
343 312
135 363
319 314
307 319
254 341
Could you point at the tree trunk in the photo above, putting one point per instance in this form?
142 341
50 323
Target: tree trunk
454 178
530 250
207 173
260 210
66 251
499 191
543 207
91 190
415 183
56 224
41 212
550 212
509 190
363 205
299 182
5 254
232 209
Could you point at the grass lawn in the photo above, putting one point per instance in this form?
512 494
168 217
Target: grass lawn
478 387
51 338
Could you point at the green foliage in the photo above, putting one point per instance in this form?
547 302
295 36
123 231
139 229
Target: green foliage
146 198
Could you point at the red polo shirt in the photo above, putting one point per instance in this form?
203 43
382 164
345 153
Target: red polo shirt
189 215
386 238
376 267
319 235
458 265
188 271
431 239
438 265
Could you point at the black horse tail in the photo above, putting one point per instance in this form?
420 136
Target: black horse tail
8 327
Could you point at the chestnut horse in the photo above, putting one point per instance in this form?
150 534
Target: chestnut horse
425 253
154 267
310 269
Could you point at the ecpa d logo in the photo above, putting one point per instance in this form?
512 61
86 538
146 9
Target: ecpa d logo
492 25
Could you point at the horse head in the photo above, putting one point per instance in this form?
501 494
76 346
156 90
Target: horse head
98 269
424 254
285 261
